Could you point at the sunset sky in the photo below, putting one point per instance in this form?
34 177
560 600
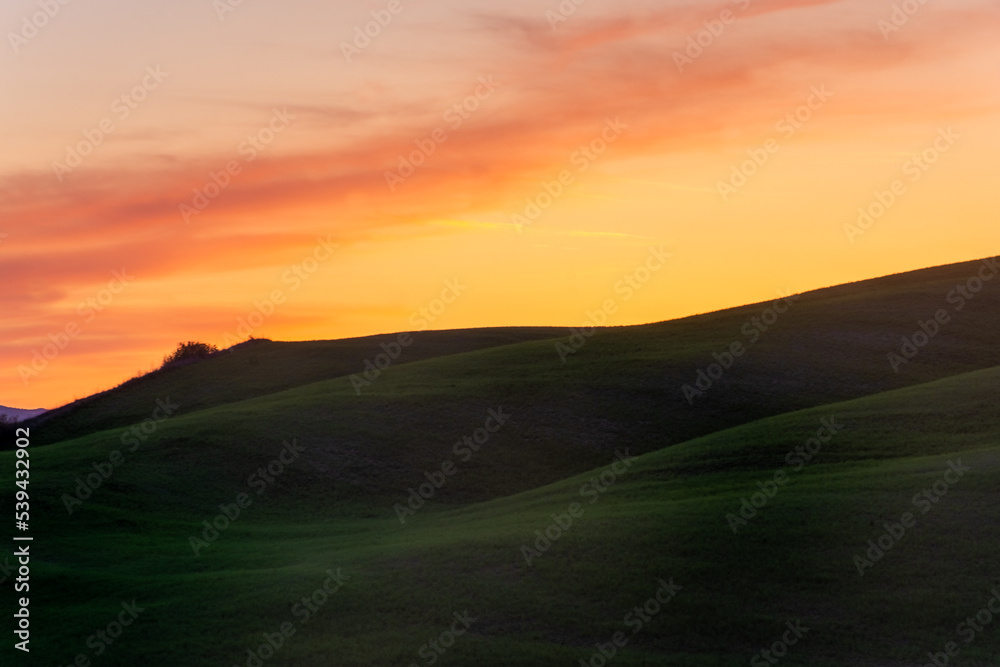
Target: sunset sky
292 124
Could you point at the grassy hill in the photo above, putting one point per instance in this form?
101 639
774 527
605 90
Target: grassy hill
672 515
663 517
257 368
831 344
623 388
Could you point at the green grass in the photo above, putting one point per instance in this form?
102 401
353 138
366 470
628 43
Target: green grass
259 368
665 518
624 387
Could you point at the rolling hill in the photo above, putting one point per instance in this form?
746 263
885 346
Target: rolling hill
493 498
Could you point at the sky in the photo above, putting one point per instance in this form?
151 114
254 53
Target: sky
216 169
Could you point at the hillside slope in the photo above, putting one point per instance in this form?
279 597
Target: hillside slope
665 516
124 509
258 368
642 386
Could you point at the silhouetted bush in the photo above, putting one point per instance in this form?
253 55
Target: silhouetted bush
189 352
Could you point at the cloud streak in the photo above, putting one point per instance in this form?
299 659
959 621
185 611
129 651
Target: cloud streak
559 88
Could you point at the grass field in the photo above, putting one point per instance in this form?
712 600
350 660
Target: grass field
596 486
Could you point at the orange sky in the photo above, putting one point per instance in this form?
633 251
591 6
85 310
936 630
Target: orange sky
500 102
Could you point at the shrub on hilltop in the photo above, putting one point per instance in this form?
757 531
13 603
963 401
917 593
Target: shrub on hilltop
188 352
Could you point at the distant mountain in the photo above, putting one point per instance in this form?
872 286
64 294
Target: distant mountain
20 414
